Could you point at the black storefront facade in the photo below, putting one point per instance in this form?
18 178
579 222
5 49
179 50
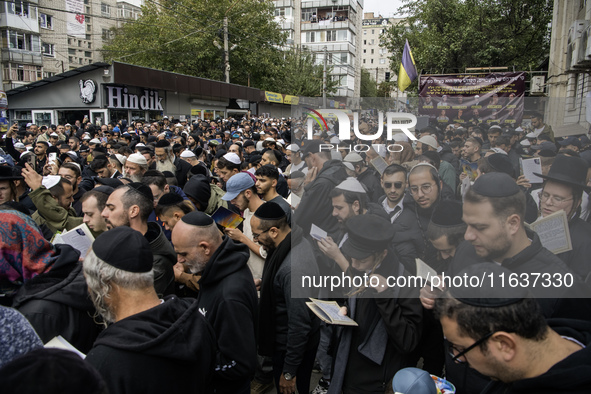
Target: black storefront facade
110 92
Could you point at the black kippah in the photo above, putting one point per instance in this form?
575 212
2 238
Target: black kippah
162 144
104 189
153 173
143 189
198 218
495 184
447 214
198 169
269 211
168 174
488 293
124 248
501 163
170 199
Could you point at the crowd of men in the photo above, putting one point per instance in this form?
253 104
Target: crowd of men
167 299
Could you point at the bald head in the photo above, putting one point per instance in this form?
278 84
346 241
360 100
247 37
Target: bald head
195 245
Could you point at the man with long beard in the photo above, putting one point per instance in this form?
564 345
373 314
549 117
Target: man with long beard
136 166
167 161
180 345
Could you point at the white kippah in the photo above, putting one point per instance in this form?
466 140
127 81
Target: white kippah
187 154
351 184
50 181
232 157
137 158
353 158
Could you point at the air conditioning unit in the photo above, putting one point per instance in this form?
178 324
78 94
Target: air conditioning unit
537 85
576 51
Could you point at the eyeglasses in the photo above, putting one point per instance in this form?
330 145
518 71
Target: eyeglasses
426 188
255 235
456 358
388 185
558 200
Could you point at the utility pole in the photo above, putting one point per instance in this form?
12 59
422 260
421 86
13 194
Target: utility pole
324 79
226 51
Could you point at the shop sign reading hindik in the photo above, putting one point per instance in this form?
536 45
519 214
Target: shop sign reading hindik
119 98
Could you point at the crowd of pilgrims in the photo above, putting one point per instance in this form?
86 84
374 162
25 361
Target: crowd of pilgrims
167 299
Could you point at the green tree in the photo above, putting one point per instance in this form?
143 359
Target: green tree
179 35
368 86
299 75
447 36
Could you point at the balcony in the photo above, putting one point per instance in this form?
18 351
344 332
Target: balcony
21 57
329 25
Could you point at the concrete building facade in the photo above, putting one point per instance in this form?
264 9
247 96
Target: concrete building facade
71 40
327 26
21 60
568 83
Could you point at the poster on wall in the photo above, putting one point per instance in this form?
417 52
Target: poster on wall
475 98
75 21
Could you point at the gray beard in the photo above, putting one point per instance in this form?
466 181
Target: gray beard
168 165
134 178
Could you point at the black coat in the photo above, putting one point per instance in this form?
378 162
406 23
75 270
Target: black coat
167 349
578 259
570 376
182 169
371 180
228 300
572 302
57 303
164 259
410 239
401 314
316 205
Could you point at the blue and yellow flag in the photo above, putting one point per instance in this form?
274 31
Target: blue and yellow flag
408 71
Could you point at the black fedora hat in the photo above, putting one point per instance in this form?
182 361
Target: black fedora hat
8 174
568 170
368 234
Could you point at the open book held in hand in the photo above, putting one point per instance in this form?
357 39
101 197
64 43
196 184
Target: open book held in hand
426 272
80 238
328 312
553 232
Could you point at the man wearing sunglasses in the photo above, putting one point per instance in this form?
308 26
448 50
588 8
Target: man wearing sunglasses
394 184
502 333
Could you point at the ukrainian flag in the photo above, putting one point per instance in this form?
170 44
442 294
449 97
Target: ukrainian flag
408 71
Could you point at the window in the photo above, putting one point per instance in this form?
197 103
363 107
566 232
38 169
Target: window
18 8
47 74
310 36
342 35
88 37
363 61
344 58
17 40
364 42
71 51
79 43
105 9
90 45
309 14
88 27
365 51
48 49
80 60
88 54
331 35
71 59
371 61
106 34
372 51
373 31
372 41
280 11
382 61
46 21
364 32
